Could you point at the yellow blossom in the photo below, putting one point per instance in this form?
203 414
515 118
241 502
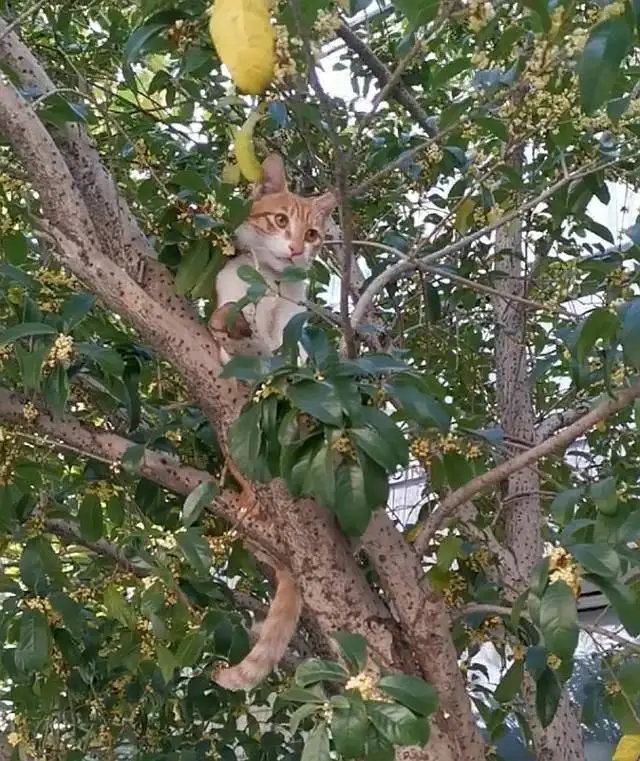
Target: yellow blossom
61 351
30 412
553 662
363 684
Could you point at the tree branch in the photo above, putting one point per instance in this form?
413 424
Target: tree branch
449 505
400 94
411 261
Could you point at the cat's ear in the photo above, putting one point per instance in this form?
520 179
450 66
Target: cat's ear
274 178
325 203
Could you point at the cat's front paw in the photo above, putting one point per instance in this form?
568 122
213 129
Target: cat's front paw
235 327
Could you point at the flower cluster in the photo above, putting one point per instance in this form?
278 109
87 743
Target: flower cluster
61 351
563 567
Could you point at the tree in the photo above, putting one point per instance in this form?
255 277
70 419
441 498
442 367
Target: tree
146 493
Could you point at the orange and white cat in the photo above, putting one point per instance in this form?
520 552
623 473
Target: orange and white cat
282 230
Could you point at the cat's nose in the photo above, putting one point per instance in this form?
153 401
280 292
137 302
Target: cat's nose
294 251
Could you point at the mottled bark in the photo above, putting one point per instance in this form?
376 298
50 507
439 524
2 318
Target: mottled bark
562 740
98 239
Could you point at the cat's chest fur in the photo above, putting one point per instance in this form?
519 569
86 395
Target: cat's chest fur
270 315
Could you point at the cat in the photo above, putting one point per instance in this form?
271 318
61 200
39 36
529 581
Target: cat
282 230
273 637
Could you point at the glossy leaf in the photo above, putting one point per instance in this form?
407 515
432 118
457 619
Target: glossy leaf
559 620
410 691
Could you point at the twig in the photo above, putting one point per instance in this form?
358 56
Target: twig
21 17
383 75
462 495
395 271
474 286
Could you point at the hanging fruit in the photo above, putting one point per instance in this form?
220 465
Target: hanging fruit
243 36
245 151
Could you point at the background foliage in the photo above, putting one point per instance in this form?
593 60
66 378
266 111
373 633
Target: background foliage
116 593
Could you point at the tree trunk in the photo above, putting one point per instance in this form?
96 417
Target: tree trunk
562 740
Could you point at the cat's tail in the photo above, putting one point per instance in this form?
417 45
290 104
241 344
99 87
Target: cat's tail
275 634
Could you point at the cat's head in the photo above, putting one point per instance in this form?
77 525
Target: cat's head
284 229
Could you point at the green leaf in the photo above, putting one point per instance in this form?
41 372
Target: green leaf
510 683
316 748
300 714
318 399
117 607
418 12
448 550
76 308
387 430
142 37
398 724
299 695
548 692
32 567
321 477
131 460
292 275
630 335
605 50
109 361
55 390
378 749
354 650
417 403
90 518
167 662
564 502
603 324
598 558
349 727
71 612
559 620
197 500
316 670
187 178
251 275
376 482
32 650
191 645
624 601
352 508
605 496
244 368
15 247
246 445
191 266
379 449
196 550
24 330
410 691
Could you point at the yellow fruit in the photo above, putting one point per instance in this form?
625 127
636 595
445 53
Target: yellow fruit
244 38
246 157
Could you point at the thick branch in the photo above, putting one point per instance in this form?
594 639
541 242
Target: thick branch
426 624
506 469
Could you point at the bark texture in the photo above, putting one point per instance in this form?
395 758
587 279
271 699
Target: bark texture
97 238
562 740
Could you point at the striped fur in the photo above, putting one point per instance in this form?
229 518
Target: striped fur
275 634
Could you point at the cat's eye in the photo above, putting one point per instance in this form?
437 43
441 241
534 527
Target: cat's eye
282 220
311 236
